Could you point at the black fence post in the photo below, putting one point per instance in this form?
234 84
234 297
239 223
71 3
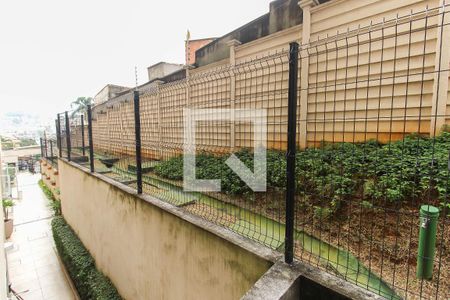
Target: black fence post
82 135
57 133
45 146
51 150
68 136
137 129
91 145
58 121
291 151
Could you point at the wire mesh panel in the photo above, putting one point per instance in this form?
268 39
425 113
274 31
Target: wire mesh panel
372 160
263 84
114 141
51 153
78 137
258 216
61 119
210 92
377 152
151 130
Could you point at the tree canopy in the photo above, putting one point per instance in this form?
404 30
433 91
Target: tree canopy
80 105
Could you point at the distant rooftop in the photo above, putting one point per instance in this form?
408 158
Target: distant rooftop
283 14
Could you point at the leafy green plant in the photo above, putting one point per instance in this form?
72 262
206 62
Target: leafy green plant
48 193
171 168
414 170
54 203
7 204
366 205
80 105
445 207
322 213
89 282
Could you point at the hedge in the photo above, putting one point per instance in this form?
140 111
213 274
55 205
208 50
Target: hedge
48 193
54 203
89 282
411 169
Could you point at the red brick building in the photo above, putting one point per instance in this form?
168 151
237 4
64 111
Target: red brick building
193 45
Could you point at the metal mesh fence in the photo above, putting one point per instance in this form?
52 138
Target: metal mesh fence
365 166
114 141
78 137
49 151
378 152
258 216
62 133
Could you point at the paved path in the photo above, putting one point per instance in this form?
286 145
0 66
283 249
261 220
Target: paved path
34 269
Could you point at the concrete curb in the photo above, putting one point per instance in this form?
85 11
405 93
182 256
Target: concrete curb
284 282
67 276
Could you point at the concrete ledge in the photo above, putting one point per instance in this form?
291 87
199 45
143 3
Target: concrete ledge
285 282
226 234
151 249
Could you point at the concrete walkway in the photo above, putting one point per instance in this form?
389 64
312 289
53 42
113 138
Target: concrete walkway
34 269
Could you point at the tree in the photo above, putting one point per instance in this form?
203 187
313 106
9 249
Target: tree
80 105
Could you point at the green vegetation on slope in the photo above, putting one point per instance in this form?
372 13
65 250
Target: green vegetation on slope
412 169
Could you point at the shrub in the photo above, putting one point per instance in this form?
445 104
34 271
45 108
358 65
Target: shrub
6 205
54 203
48 193
413 168
209 166
322 213
171 168
89 282
366 205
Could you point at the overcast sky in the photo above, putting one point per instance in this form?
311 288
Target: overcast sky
52 51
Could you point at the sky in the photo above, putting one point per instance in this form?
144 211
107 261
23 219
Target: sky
53 51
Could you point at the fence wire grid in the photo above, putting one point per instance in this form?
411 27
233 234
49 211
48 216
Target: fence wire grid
366 167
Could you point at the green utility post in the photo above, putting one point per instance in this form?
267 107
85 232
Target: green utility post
427 241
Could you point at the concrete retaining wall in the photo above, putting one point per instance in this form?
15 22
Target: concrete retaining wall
152 250
50 176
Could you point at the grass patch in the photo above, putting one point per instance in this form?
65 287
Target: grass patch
89 282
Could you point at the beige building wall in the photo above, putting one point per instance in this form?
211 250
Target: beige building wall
113 129
162 69
12 156
351 90
76 139
369 90
108 92
148 249
50 176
